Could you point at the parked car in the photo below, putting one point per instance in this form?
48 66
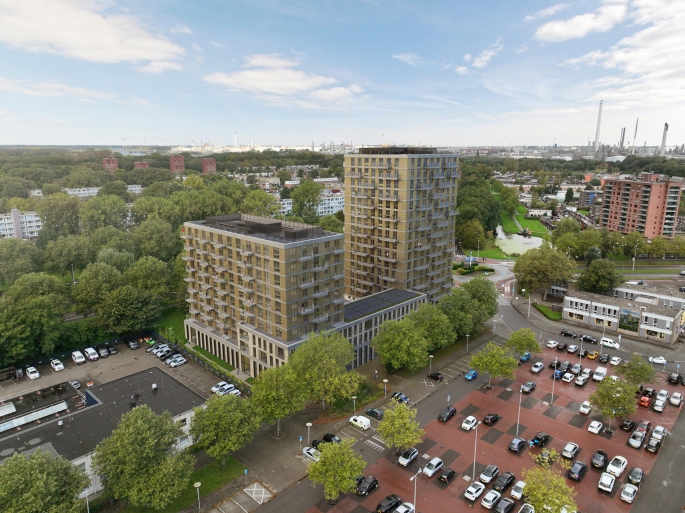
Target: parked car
375 413
517 444
537 367
603 358
528 387
628 493
583 353
572 349
490 473
491 419
436 376
581 381
615 360
659 433
588 338
627 424
517 490
649 392
592 355
111 348
311 454
360 422
78 358
408 456
570 450
446 475
568 378
568 333
659 405
595 427
469 423
103 352
617 466
637 439
577 471
433 466
636 475
331 438
389 504
644 425
474 491
609 342
525 356
606 482
504 481
587 372
405 507
471 375
56 365
585 408
644 401
32 373
562 347
600 458
178 362
505 505
491 498
447 414
132 345
399 397
219 385
75 384
675 379
653 445
676 398
368 484
91 354
552 344
660 360
540 439
576 369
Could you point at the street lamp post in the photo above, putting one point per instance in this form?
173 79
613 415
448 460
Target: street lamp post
309 426
430 363
467 342
354 403
413 478
554 378
197 487
385 388
518 418
635 257
475 441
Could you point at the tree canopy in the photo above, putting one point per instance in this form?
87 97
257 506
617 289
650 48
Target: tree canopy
278 394
600 276
636 371
399 428
436 325
543 266
494 361
336 469
523 340
306 199
614 398
401 344
547 490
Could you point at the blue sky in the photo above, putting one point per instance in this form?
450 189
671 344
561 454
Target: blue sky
291 72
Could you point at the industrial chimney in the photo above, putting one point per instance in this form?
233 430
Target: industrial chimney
662 151
599 125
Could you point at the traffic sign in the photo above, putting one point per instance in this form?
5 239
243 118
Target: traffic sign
245 471
300 438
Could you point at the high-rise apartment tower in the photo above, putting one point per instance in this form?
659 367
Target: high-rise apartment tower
400 208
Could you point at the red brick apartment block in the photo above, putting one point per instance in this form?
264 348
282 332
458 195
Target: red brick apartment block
141 165
110 164
209 166
177 164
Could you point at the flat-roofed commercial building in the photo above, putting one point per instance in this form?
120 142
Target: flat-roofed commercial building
258 287
400 204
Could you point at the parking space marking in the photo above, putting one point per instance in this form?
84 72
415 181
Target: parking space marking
374 445
377 437
239 505
428 383
258 493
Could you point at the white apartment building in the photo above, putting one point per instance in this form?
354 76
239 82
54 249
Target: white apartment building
89 192
330 204
19 225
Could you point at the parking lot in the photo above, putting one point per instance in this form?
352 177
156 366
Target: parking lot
557 415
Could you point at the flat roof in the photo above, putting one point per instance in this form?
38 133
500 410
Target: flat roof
397 150
630 304
375 303
655 289
84 429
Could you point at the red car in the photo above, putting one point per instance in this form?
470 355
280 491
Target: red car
644 401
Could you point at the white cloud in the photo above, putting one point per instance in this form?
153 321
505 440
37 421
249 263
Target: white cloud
159 67
468 57
603 19
82 29
462 70
483 58
409 58
262 60
50 88
181 29
336 93
549 11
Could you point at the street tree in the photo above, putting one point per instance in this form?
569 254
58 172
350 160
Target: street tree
401 344
102 211
128 310
569 196
471 234
17 257
659 247
436 325
59 214
600 276
547 457
194 182
636 371
278 394
459 306
140 462
547 490
96 282
399 428
566 225
116 188
151 274
64 252
200 204
157 238
494 361
40 483
635 243
614 398
541 267
592 254
306 199
121 260
224 424
484 292
523 340
260 203
320 364
336 469
332 224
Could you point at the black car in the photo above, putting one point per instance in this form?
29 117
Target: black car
436 376
588 338
562 347
111 348
375 413
504 481
577 471
368 484
505 505
600 459
517 444
565 367
636 476
568 333
491 419
603 358
649 392
528 387
447 414
102 351
554 364
541 439
627 424
653 445
446 475
316 443
389 504
675 379
329 437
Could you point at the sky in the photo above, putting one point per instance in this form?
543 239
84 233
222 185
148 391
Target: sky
293 72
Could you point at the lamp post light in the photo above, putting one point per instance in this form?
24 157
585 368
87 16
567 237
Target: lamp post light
430 363
475 441
467 342
385 388
354 402
309 426
518 418
197 487
635 257
554 378
413 478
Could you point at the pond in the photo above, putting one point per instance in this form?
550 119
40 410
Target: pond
516 243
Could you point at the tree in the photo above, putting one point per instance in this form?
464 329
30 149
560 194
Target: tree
194 182
494 361
110 237
659 247
224 424
336 469
523 340
260 203
96 282
139 461
436 325
636 371
569 196
592 254
155 208
17 257
41 483
149 274
595 182
306 199
332 224
278 394
128 309
117 188
566 225
64 252
284 176
102 211
458 306
59 214
541 267
122 260
320 364
401 344
399 428
546 490
157 238
483 292
600 276
471 234
614 398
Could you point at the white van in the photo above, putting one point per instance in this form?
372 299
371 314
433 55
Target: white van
78 358
609 342
361 422
91 354
600 374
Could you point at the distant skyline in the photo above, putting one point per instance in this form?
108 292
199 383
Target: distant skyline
448 73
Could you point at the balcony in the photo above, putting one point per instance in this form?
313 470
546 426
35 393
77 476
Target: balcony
445 184
365 282
435 254
191 300
193 311
189 280
321 318
365 264
337 300
421 267
246 252
389 279
338 276
360 272
421 248
367 185
246 290
304 285
188 259
247 314
307 310
249 303
390 176
436 235
353 174
441 224
220 303
424 208
387 259
360 214
319 293
304 257
320 267
245 264
337 251
247 278
388 239
439 174
206 286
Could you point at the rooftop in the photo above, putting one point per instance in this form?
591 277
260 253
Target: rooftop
397 150
377 302
661 289
628 304
266 228
84 429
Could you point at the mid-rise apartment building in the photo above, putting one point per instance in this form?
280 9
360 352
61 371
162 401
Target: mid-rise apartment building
20 225
143 164
400 204
329 205
208 166
110 164
258 287
648 204
177 164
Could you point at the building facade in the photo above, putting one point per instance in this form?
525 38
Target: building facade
110 164
177 164
208 166
648 205
588 198
144 164
258 287
20 225
400 205
330 204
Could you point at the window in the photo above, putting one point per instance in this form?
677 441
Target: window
654 334
183 422
572 315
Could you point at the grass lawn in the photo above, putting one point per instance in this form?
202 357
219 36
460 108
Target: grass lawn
173 318
554 316
212 477
495 253
508 224
584 212
535 226
522 209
